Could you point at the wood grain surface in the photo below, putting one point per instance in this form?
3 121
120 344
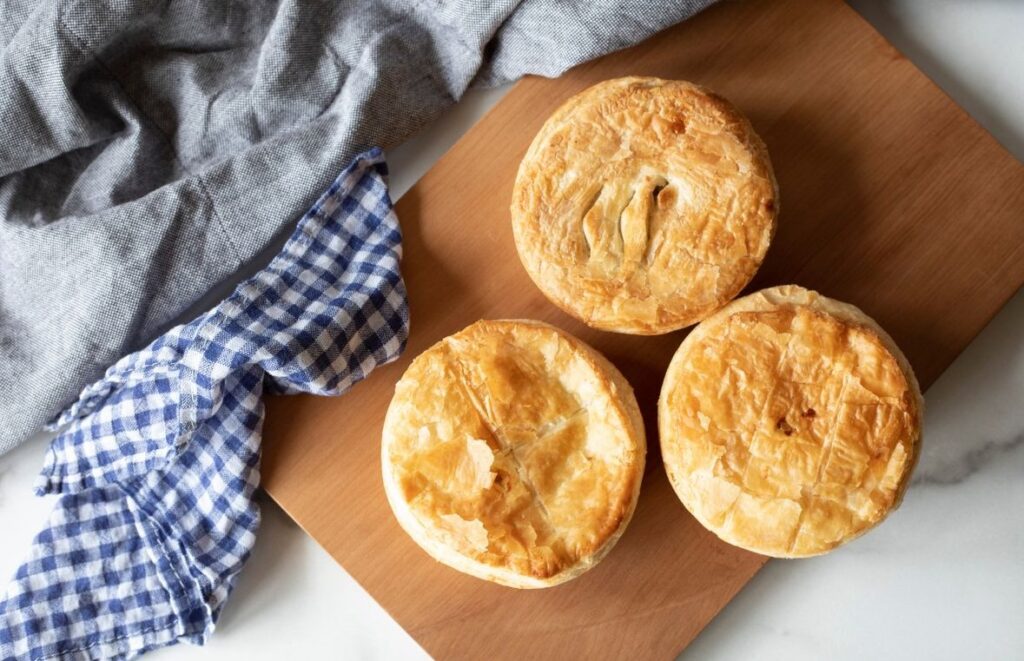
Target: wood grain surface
892 198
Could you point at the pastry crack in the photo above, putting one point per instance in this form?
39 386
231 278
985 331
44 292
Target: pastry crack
504 446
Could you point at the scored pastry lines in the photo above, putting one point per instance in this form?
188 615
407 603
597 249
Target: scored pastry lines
762 416
623 174
810 495
552 427
635 222
829 379
508 448
504 447
618 225
809 492
586 225
808 500
625 217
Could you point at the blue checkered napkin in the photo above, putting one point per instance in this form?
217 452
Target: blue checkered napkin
159 461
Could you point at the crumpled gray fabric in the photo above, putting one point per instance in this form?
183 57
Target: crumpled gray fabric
153 150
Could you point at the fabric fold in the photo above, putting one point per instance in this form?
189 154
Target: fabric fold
152 149
158 461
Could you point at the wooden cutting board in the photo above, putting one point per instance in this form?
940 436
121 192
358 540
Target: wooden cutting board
892 199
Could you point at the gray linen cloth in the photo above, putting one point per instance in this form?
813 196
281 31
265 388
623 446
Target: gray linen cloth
151 151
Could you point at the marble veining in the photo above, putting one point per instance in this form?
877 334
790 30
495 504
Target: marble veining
968 464
942 578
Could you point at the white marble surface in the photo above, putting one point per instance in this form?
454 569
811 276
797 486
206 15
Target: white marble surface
943 578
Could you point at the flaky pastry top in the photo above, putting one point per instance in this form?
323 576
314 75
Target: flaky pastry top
789 422
643 205
514 452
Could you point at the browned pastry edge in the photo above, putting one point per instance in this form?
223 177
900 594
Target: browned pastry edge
773 299
576 290
621 396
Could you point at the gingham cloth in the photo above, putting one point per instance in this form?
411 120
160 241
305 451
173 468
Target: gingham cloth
159 461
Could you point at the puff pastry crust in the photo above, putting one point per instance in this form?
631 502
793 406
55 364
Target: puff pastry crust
513 452
790 423
643 205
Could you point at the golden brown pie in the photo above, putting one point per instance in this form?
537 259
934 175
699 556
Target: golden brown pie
789 422
644 205
513 452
